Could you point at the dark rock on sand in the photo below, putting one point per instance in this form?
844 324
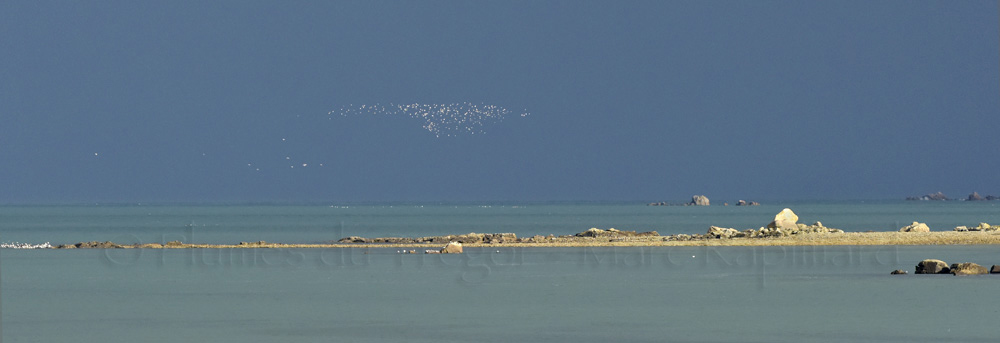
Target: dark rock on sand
984 227
97 245
932 266
719 232
968 268
679 237
898 272
392 240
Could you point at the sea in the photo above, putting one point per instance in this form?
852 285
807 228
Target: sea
524 294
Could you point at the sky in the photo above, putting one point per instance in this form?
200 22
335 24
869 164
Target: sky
260 101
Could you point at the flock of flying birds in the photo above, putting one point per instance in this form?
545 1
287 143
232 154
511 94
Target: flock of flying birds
446 120
442 120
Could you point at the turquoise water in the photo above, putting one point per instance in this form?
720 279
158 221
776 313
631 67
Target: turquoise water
689 294
324 223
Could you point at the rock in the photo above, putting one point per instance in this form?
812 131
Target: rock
97 245
915 227
391 240
786 219
995 269
961 228
741 202
352 239
470 237
699 200
497 238
452 248
984 227
974 197
932 266
968 268
745 203
718 232
932 196
898 272
613 233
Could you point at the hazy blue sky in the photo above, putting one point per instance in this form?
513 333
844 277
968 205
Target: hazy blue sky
119 101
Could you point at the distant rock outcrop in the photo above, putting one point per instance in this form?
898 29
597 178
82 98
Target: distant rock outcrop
932 266
699 200
742 202
898 272
974 197
915 227
932 196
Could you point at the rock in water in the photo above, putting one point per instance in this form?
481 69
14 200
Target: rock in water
932 266
968 268
898 272
786 219
452 248
975 197
995 269
915 227
699 200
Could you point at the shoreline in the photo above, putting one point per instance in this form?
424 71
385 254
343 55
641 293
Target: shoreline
810 239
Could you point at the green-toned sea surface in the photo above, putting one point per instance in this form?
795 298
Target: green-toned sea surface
655 294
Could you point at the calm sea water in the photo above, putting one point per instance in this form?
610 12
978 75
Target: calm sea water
689 294
324 223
